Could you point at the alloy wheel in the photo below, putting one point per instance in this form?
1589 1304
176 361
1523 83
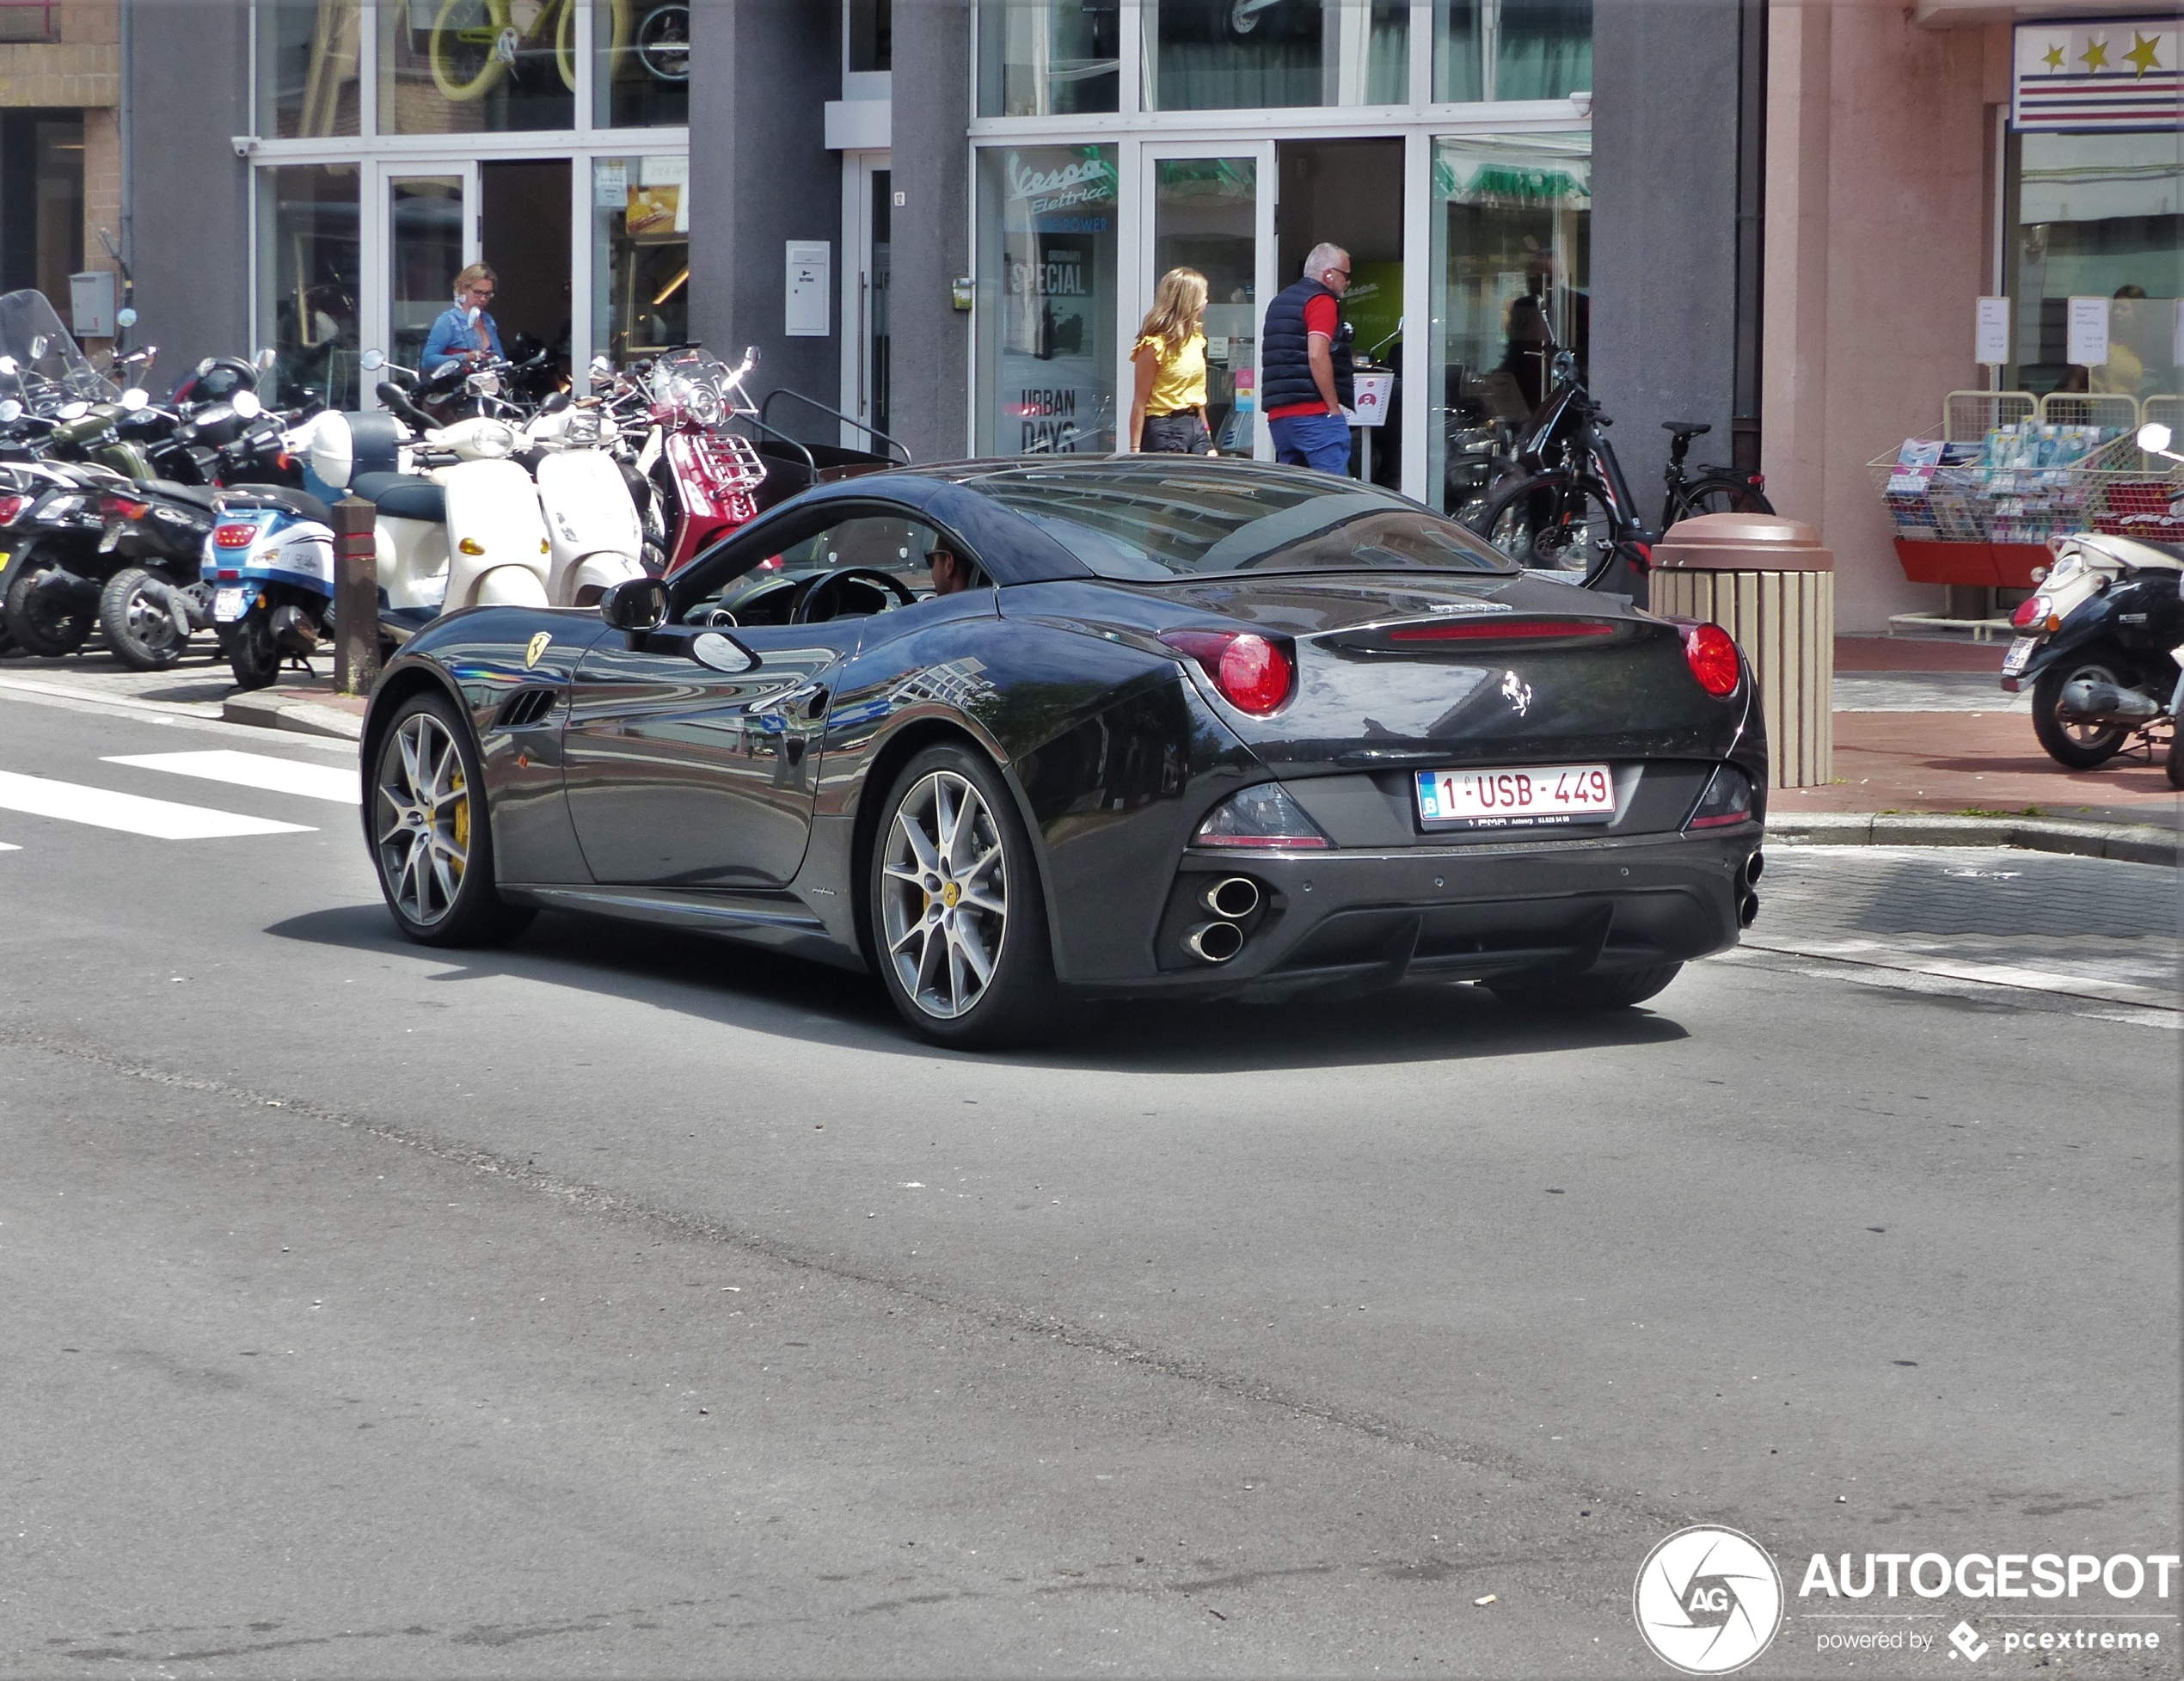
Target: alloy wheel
424 819
944 896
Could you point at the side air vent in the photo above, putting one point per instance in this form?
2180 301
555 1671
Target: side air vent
526 706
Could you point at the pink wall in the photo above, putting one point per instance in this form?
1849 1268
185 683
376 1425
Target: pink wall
1879 239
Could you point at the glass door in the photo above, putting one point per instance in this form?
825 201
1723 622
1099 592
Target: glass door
428 233
869 189
1212 209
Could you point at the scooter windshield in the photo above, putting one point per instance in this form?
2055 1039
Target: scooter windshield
48 360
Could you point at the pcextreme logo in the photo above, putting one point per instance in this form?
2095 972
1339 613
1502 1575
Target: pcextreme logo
1707 1600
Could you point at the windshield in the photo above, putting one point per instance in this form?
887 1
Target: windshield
698 383
46 356
1154 520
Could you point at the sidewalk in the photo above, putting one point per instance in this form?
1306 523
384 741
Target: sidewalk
196 688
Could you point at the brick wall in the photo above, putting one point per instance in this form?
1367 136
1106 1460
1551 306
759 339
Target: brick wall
76 66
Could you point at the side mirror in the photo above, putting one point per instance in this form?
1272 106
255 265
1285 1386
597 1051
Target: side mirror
636 605
134 398
72 411
266 358
11 411
204 368
601 368
9 366
372 360
750 355
246 404
2154 437
722 654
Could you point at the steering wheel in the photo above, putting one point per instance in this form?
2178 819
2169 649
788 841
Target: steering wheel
803 605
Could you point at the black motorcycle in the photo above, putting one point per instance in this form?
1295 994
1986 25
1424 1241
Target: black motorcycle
2098 645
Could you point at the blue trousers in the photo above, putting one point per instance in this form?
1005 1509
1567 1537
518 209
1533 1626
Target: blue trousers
1321 441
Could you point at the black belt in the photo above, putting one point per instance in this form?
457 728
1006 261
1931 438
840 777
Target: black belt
1170 414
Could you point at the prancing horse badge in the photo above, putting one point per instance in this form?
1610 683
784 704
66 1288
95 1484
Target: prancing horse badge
537 651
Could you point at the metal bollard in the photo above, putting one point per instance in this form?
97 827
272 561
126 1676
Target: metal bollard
356 597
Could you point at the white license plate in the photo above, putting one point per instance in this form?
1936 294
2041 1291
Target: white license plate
229 604
1517 797
2020 655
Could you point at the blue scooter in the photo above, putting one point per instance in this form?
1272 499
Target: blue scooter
270 563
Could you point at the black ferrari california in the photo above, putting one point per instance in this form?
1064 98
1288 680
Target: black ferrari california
1006 731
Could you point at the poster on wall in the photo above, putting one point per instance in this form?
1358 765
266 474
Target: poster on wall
1052 388
2085 77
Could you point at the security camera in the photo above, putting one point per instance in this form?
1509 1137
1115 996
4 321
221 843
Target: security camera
244 145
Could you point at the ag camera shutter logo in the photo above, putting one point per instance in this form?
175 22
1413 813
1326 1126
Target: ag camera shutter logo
1707 1600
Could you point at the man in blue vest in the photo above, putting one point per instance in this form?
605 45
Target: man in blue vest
1305 366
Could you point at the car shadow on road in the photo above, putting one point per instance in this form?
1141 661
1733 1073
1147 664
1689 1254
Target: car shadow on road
762 991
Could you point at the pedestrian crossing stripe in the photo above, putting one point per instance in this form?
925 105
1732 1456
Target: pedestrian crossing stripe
131 813
4 847
339 784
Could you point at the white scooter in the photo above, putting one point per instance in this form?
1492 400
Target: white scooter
592 521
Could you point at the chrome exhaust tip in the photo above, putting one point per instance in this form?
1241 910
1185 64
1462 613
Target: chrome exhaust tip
1235 898
1214 942
1748 909
1753 866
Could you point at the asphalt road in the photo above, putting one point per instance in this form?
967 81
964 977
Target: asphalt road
623 1304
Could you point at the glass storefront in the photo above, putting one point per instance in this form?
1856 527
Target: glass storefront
1511 49
2097 216
641 248
1512 232
591 247
309 263
1048 306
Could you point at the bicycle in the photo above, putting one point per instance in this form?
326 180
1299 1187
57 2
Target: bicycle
1571 514
474 43
1715 490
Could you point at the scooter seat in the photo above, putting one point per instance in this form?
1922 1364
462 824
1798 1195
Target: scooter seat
301 502
403 496
203 496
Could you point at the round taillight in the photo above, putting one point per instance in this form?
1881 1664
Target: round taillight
1254 674
2030 611
1713 658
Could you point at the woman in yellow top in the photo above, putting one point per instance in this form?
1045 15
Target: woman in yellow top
1167 412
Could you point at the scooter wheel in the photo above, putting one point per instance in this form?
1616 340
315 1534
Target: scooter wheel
2077 746
46 627
252 655
138 630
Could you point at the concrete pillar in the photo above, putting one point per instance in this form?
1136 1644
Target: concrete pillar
1664 228
760 176
931 232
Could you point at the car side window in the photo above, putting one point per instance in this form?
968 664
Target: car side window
901 547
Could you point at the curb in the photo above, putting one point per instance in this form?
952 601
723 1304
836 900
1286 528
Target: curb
298 717
2128 842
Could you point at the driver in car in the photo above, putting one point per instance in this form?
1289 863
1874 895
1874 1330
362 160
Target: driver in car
951 572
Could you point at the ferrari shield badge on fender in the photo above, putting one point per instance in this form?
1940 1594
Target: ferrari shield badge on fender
537 651
1517 692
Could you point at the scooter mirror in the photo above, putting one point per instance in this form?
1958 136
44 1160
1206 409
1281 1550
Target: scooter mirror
134 398
750 354
601 368
2154 437
372 360
9 366
246 404
11 411
72 411
266 358
636 605
722 653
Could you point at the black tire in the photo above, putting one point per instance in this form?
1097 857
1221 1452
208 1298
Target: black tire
252 655
2174 766
1552 522
43 627
1718 495
1618 990
2077 746
136 624
431 834
933 921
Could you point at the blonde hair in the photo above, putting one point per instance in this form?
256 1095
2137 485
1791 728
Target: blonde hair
471 276
1178 306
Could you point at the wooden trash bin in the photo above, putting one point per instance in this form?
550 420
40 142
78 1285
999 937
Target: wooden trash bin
1770 584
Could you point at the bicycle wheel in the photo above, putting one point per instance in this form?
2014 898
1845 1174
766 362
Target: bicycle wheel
1718 495
565 40
468 54
664 42
1553 524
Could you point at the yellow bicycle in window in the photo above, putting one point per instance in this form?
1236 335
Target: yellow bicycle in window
474 43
